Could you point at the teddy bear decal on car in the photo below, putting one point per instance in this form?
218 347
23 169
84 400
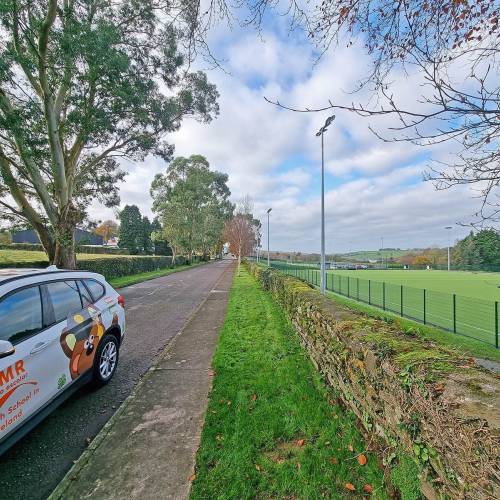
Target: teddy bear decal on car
80 338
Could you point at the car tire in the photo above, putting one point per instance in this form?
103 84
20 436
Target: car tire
106 360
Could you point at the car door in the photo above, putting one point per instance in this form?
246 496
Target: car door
79 328
25 383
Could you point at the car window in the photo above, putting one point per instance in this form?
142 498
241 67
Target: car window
86 297
21 314
96 289
65 298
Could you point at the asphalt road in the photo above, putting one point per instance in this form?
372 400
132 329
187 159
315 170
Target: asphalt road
155 312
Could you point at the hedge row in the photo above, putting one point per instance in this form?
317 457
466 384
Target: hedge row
111 267
432 410
124 266
92 249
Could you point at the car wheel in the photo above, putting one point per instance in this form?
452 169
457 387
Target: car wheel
106 360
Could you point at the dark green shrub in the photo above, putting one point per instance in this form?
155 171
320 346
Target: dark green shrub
123 266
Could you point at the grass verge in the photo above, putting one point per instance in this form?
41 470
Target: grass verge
16 256
132 279
464 345
273 429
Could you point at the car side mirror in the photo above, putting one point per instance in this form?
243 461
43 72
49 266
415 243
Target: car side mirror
6 348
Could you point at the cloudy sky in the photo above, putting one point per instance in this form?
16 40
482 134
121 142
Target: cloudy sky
374 189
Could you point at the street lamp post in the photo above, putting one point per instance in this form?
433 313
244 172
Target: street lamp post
449 229
268 260
321 132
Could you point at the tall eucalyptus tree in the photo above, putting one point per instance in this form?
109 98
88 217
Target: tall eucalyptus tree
84 83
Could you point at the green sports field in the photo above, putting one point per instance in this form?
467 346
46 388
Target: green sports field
478 285
462 302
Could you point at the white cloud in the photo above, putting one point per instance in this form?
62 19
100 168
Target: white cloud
273 155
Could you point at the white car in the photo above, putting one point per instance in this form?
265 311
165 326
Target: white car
58 331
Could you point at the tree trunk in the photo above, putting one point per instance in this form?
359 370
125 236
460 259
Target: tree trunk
173 255
46 239
239 260
64 255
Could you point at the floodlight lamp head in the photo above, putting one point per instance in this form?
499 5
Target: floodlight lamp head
329 120
324 128
269 210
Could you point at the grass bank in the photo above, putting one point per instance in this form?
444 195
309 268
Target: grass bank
132 279
15 256
273 429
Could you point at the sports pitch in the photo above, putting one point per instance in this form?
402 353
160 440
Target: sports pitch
469 284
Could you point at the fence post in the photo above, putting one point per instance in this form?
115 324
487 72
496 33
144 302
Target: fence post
496 324
370 292
357 288
401 300
454 313
383 294
348 286
424 308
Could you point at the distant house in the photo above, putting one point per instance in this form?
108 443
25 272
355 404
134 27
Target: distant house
82 237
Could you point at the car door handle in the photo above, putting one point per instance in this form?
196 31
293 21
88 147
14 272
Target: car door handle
39 347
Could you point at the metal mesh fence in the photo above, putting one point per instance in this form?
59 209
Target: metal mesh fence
468 316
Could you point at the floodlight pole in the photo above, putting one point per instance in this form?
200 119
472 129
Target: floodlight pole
448 228
268 259
321 132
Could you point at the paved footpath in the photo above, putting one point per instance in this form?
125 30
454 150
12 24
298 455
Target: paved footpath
147 450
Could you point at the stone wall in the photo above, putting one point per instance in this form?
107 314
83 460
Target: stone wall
420 399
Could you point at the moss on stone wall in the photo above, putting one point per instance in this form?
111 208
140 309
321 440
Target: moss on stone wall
434 411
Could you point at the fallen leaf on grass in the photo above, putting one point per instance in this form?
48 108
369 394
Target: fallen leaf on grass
438 388
298 466
300 442
334 460
368 488
350 448
221 401
257 466
350 487
254 397
229 403
362 460
192 477
219 437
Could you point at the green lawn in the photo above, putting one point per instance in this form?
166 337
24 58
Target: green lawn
13 256
273 429
427 296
